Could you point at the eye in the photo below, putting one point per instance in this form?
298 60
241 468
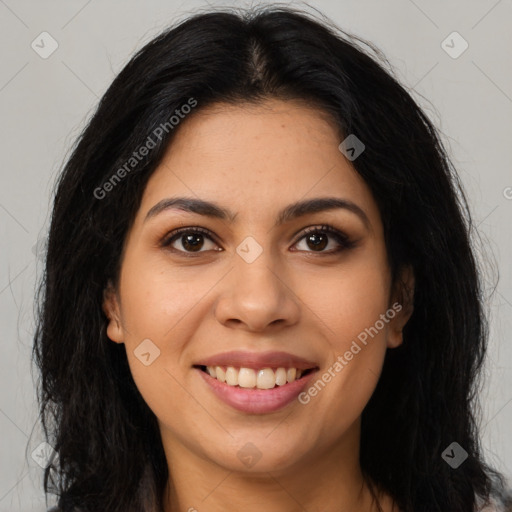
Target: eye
317 239
191 239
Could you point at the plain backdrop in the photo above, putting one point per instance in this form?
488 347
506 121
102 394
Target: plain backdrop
45 102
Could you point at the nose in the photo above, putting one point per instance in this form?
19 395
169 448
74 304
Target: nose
256 296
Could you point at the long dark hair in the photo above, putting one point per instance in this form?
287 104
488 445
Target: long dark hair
110 454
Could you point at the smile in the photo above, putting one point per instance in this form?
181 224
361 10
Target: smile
249 378
254 400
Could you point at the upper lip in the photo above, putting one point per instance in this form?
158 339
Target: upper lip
257 360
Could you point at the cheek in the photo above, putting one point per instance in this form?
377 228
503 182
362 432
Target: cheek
349 308
349 300
157 299
356 348
161 307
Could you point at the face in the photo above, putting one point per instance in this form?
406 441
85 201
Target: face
257 281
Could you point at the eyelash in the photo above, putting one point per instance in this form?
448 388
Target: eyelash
342 239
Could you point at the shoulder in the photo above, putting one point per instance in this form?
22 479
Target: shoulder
500 503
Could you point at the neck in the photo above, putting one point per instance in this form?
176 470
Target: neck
329 481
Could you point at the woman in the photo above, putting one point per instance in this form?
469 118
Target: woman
260 290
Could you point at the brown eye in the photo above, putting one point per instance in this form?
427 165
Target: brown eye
318 241
318 238
191 240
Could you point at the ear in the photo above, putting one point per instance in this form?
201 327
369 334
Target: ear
402 301
111 309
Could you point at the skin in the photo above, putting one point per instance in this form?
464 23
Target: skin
256 160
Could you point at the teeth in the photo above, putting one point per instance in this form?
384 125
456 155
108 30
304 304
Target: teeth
246 378
280 376
221 374
266 378
231 376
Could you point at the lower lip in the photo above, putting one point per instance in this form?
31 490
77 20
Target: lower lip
257 401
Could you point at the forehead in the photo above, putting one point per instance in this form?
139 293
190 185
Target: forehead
273 128
252 157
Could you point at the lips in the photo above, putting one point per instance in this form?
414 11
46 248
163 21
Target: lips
256 401
256 361
264 394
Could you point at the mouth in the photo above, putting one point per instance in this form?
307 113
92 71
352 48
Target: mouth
250 378
257 391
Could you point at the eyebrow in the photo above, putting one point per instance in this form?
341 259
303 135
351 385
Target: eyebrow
292 211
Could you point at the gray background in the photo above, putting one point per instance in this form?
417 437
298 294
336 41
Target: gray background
44 103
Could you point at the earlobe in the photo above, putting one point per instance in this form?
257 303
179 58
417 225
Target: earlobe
403 298
110 307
